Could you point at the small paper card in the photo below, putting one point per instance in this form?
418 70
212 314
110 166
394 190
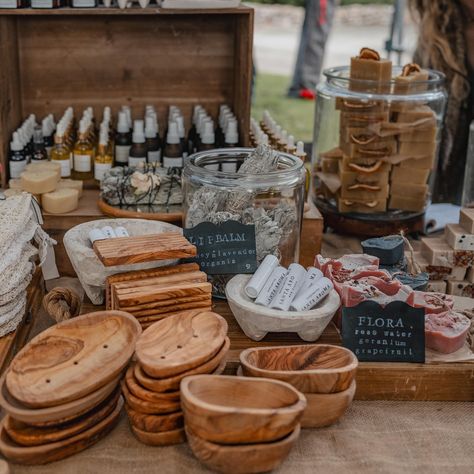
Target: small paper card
227 248
394 333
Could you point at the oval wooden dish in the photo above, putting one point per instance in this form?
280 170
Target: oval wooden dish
155 423
150 408
164 438
73 359
312 368
181 342
61 449
244 458
229 410
53 415
256 321
216 366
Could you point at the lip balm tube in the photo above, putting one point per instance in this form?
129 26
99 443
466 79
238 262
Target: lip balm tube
266 268
270 289
96 234
121 232
312 276
108 232
312 295
295 278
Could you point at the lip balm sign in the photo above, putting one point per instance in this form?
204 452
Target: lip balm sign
226 248
394 333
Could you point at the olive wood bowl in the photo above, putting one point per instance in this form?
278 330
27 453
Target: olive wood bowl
228 410
256 321
244 458
164 438
315 368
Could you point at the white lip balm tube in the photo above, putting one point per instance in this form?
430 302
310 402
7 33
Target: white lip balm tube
108 232
312 295
271 287
295 278
266 268
312 276
121 232
96 234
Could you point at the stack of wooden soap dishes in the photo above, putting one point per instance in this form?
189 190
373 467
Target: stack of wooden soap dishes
61 392
188 343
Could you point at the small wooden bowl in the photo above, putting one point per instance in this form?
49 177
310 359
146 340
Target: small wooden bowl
145 394
53 415
155 423
324 409
149 408
315 368
216 366
256 321
165 438
244 458
230 410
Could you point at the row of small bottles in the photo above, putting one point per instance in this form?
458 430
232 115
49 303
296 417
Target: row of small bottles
86 153
268 132
45 4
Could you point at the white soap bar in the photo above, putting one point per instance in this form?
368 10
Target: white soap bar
108 232
458 238
271 286
266 268
312 295
39 182
71 184
293 282
45 166
466 219
60 201
437 286
96 234
121 232
460 288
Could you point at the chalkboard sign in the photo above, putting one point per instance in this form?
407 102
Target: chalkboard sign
225 248
395 333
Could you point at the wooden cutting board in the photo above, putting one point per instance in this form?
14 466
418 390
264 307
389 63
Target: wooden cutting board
181 342
50 452
143 248
53 415
73 359
28 435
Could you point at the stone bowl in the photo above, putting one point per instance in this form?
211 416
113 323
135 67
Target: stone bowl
256 321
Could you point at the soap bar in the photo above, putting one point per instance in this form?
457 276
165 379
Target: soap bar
401 266
60 201
425 163
362 119
375 149
402 174
415 114
416 282
349 178
364 165
71 184
410 190
373 70
360 105
357 135
45 166
414 149
419 135
458 238
39 182
437 286
466 219
388 249
438 252
364 192
367 207
461 288
407 203
412 83
469 275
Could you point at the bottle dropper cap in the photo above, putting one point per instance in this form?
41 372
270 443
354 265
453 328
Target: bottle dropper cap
196 110
173 136
300 150
46 127
138 132
231 134
122 125
150 130
107 114
291 141
180 122
207 136
15 144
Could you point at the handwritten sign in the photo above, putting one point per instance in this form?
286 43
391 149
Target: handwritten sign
226 248
395 333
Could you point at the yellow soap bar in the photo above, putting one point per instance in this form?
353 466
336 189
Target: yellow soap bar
419 135
370 75
410 190
415 82
364 165
425 163
420 112
364 192
39 182
45 166
378 148
402 174
60 201
414 149
71 184
364 207
407 203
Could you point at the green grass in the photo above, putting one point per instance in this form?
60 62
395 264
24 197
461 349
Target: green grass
294 115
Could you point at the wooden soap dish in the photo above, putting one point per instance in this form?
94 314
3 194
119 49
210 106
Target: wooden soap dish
155 423
164 438
149 408
143 248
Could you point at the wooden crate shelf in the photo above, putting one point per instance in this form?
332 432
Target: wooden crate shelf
52 59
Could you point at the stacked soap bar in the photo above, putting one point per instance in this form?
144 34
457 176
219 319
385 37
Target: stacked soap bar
43 180
449 260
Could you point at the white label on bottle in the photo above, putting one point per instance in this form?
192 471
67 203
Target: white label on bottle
121 154
169 162
154 156
134 161
65 168
100 169
16 168
82 163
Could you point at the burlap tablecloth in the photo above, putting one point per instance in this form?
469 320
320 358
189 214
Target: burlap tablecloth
373 437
